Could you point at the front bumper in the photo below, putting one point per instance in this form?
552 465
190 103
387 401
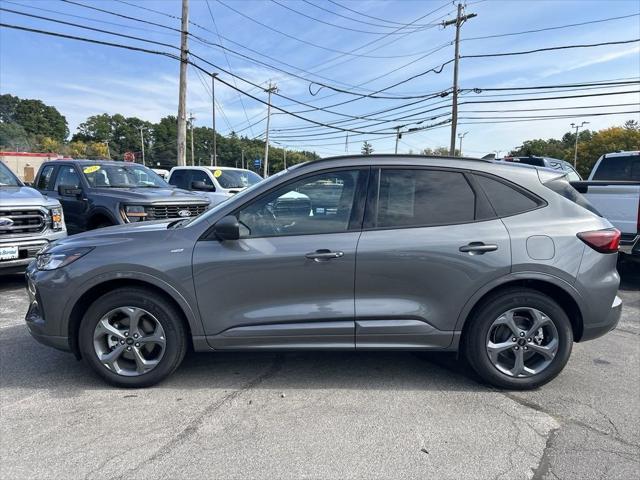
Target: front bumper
42 330
28 247
609 323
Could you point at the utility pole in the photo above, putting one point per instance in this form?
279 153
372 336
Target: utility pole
243 158
461 136
575 151
108 149
346 143
191 119
142 143
398 137
284 153
272 89
460 19
214 159
182 91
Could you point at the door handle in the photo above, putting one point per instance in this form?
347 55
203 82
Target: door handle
323 255
478 248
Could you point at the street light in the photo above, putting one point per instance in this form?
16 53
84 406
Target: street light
575 152
461 136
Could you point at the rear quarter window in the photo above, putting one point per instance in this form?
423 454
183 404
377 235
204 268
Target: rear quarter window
506 199
562 187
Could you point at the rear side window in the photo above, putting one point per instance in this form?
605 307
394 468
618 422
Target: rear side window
422 197
180 178
564 188
505 199
45 180
618 168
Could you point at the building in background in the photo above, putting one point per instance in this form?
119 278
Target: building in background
26 164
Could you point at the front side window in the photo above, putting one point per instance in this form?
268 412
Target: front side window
44 181
423 197
317 204
200 176
68 177
180 178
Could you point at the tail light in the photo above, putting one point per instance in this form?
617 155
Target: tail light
603 241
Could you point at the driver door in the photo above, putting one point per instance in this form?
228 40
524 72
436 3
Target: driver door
288 282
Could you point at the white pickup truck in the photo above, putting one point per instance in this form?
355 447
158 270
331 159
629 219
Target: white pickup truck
613 188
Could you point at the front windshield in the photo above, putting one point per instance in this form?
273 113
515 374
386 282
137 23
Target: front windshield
122 176
236 178
7 178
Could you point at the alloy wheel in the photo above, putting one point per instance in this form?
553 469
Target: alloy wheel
522 342
129 341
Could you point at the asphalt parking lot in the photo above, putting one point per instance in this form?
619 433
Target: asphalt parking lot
318 415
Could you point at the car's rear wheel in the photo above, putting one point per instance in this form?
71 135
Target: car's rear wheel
132 337
518 339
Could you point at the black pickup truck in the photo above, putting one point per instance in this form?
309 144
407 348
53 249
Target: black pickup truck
97 194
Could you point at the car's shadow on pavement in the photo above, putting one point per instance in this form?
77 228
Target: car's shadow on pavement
629 275
25 364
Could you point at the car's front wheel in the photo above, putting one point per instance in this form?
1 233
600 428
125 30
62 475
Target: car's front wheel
518 339
132 337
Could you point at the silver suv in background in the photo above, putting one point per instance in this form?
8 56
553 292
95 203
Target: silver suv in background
216 183
510 266
28 222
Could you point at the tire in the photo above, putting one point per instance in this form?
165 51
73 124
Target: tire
490 321
161 349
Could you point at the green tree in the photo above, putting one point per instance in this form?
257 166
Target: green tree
439 152
39 119
8 104
14 137
367 148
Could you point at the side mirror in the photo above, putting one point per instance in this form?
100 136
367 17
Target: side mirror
200 185
227 228
69 191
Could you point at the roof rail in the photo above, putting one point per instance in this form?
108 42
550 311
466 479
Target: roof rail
391 155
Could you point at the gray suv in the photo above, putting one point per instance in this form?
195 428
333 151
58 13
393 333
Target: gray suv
507 265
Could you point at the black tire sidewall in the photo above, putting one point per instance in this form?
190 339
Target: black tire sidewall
163 311
475 340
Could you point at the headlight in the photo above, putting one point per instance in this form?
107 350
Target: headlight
57 218
134 213
53 260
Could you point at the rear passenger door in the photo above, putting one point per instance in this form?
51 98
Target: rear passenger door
75 206
430 240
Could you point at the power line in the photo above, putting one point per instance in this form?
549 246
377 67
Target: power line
499 35
360 21
229 65
548 49
306 42
329 23
372 17
174 57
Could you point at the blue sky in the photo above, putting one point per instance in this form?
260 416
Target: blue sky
83 79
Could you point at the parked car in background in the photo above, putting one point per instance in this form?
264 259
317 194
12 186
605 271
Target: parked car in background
613 188
29 221
96 194
394 253
216 183
548 162
163 173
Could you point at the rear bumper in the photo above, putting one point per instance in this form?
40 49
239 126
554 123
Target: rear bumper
595 330
630 245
